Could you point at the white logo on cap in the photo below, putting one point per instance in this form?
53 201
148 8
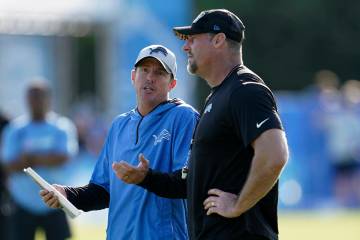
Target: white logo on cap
216 28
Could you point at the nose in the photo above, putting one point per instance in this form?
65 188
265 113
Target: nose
186 46
150 77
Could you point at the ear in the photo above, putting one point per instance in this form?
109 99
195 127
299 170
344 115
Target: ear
218 40
133 74
172 84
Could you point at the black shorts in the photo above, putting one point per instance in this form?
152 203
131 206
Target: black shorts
24 224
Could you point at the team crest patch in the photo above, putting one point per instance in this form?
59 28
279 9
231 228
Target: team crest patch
208 108
159 50
164 135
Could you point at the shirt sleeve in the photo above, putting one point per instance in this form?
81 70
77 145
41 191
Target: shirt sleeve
253 111
183 136
167 185
89 197
100 175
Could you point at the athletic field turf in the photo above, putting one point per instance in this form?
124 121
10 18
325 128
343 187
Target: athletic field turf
328 225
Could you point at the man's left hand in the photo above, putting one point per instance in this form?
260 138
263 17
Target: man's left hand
131 174
222 203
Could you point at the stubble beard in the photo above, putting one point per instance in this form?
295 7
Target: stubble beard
192 68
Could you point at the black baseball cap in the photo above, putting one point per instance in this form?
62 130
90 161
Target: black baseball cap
214 21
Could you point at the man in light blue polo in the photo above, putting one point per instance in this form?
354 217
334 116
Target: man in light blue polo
44 141
160 129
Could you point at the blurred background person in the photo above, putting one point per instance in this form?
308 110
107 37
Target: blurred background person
342 126
44 141
319 99
5 208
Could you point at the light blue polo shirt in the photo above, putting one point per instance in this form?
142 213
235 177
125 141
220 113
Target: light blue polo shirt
164 137
56 134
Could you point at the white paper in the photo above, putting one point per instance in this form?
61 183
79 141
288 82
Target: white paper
67 206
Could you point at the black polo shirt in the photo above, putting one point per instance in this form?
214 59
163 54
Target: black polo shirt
235 114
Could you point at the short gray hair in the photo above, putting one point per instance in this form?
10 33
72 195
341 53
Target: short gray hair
235 46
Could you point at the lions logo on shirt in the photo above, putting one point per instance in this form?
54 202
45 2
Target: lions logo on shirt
164 134
208 108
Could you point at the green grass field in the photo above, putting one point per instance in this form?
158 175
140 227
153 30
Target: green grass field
320 226
293 226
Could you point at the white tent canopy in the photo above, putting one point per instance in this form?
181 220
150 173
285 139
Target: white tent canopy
44 17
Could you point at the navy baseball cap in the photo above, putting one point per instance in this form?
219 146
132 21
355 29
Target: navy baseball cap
214 21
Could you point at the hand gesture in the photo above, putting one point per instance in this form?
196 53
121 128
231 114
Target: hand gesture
130 174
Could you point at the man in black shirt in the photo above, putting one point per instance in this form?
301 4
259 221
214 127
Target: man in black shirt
239 147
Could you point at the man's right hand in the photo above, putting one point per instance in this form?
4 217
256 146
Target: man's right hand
50 199
130 174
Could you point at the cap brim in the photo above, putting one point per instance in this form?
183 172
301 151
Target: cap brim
167 69
183 32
